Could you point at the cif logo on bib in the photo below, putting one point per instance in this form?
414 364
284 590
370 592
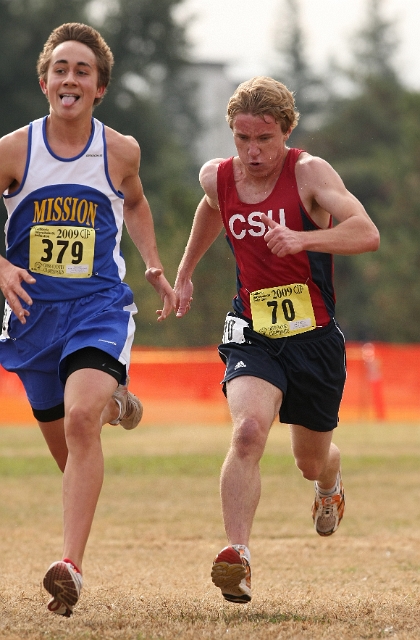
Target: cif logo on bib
239 226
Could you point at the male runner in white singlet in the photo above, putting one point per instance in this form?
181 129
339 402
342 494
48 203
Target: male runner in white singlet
283 350
68 184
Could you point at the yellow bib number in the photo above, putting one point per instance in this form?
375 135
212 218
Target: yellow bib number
283 311
61 251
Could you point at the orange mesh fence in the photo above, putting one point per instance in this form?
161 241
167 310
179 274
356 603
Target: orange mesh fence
383 382
182 386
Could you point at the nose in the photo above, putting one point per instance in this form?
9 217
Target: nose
70 78
253 149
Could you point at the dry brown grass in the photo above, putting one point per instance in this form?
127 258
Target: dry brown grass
155 534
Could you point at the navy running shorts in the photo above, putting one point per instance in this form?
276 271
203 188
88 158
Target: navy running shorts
37 350
309 368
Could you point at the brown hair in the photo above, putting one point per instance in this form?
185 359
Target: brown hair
86 35
262 95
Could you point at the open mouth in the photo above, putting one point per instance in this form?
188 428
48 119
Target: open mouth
68 99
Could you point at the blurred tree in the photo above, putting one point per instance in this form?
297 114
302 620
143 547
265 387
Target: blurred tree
293 69
372 138
24 27
375 47
396 296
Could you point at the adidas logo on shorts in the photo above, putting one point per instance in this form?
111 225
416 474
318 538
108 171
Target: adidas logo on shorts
239 365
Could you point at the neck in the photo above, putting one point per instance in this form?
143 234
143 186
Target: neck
68 136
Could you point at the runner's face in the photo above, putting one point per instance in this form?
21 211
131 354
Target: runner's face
260 143
72 80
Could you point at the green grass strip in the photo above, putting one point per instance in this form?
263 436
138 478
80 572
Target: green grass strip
202 465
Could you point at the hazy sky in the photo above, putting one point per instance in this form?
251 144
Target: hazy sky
242 32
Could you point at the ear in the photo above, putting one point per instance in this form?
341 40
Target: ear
43 86
288 133
100 92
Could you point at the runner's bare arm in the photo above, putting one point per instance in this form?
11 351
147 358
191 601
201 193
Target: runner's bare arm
139 221
206 227
323 193
13 148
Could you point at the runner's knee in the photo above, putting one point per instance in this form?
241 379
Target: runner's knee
311 468
249 438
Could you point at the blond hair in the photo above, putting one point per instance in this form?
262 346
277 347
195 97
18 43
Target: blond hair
86 35
261 96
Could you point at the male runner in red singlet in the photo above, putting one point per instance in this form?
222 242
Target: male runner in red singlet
283 350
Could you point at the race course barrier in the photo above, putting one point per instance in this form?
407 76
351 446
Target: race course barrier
182 386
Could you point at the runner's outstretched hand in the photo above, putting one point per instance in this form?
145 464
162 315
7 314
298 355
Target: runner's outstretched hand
156 278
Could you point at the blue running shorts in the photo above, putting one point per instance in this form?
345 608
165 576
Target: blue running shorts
37 350
309 368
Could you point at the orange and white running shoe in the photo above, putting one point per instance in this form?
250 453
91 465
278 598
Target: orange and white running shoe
328 511
63 581
231 572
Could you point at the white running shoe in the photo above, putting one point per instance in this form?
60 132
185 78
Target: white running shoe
328 511
131 409
64 582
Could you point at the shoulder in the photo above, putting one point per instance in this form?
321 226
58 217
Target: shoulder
15 142
208 172
123 153
308 165
315 172
122 148
13 153
208 178
210 167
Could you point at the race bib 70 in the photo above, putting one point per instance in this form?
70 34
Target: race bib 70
278 312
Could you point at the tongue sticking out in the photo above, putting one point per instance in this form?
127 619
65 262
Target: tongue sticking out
68 100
